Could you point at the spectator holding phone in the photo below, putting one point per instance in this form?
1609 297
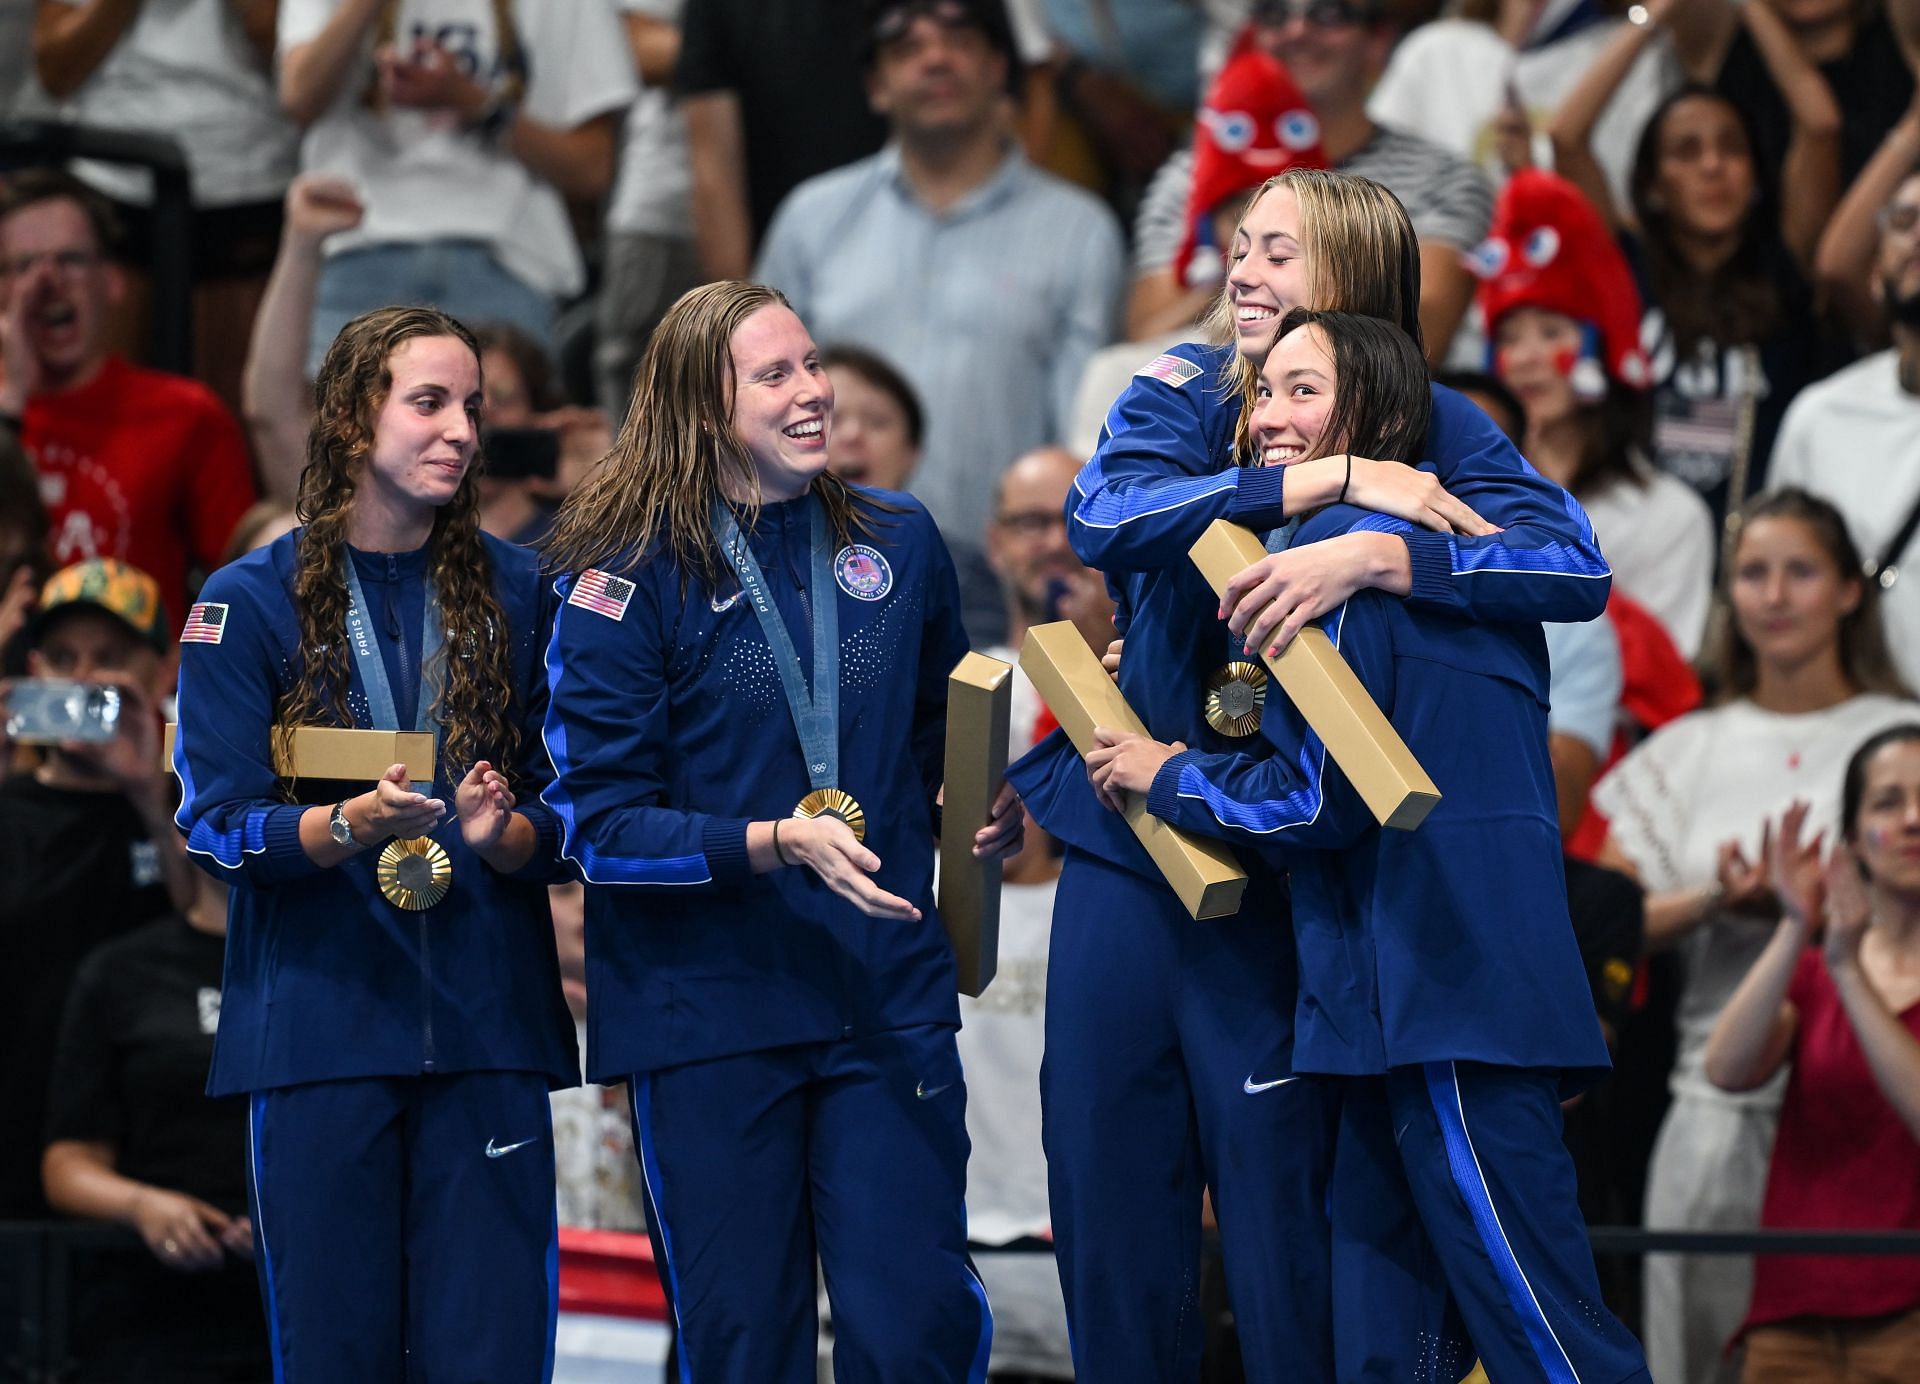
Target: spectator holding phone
464 127
92 853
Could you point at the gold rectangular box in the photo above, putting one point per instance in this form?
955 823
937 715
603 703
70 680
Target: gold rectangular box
979 702
1317 680
323 752
1081 696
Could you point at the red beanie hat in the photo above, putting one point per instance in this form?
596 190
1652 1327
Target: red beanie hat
1253 124
1549 249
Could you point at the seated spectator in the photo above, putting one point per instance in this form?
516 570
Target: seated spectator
133 1139
1802 674
1835 997
1335 50
1729 328
985 281
754 133
1564 317
875 440
1484 80
463 127
651 258
1854 438
91 848
134 464
198 71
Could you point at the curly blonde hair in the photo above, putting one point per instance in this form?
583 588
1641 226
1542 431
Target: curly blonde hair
473 669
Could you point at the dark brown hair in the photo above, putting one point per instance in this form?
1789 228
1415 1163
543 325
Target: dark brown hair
879 372
32 186
1382 400
1854 790
474 669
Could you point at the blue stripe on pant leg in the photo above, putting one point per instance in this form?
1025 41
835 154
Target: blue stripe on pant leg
977 1371
257 1113
640 1092
553 1285
1443 1088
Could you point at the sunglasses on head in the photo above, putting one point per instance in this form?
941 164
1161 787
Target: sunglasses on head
1321 14
894 22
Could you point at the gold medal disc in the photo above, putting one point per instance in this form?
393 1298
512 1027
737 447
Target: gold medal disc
834 802
414 874
1236 693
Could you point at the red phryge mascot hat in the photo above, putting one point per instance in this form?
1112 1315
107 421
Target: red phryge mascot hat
1254 124
1549 249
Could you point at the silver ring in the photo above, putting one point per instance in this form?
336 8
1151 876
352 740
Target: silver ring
170 1246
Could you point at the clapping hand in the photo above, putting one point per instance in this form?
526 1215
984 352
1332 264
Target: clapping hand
485 806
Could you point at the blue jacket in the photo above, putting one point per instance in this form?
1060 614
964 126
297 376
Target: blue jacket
1164 471
669 732
1451 941
324 978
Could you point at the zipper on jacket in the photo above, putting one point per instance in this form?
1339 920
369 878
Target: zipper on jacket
396 625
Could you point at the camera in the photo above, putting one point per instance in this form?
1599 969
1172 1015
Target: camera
50 711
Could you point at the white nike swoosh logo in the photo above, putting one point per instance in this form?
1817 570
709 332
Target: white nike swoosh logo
1253 1089
925 1094
498 1151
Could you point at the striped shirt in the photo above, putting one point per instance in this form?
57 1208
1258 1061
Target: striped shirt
1448 199
990 307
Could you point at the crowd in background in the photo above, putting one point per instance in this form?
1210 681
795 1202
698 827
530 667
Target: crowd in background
1673 249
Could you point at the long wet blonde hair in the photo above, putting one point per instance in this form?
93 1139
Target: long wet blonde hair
1362 258
677 451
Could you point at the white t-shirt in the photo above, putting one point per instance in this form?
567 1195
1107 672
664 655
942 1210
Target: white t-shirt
423 179
1105 378
1715 776
653 189
1854 440
1659 540
1448 79
185 68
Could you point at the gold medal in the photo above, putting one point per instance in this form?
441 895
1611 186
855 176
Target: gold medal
1236 693
414 874
834 802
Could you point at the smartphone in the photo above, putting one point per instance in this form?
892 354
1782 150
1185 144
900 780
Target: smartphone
516 454
49 711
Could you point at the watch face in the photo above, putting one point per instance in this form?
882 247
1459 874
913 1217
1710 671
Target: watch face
341 829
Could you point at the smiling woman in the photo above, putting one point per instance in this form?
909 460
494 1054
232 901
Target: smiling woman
750 789
393 1024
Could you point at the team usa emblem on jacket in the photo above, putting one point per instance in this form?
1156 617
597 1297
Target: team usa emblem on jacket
206 623
862 573
602 593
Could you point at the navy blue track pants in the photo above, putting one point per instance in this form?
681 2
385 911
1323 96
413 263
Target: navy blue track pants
854 1151
1453 1202
404 1229
1168 1071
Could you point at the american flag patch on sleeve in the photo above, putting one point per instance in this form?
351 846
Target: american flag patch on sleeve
1169 369
206 623
604 594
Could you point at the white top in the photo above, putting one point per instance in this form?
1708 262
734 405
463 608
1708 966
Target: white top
1107 374
1715 776
185 68
423 179
1448 80
653 188
596 1174
1854 440
1659 539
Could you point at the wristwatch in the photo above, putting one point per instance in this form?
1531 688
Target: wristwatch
339 828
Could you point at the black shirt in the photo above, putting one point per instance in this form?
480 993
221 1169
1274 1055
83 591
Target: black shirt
803 91
1699 402
131 1065
1870 81
76 869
